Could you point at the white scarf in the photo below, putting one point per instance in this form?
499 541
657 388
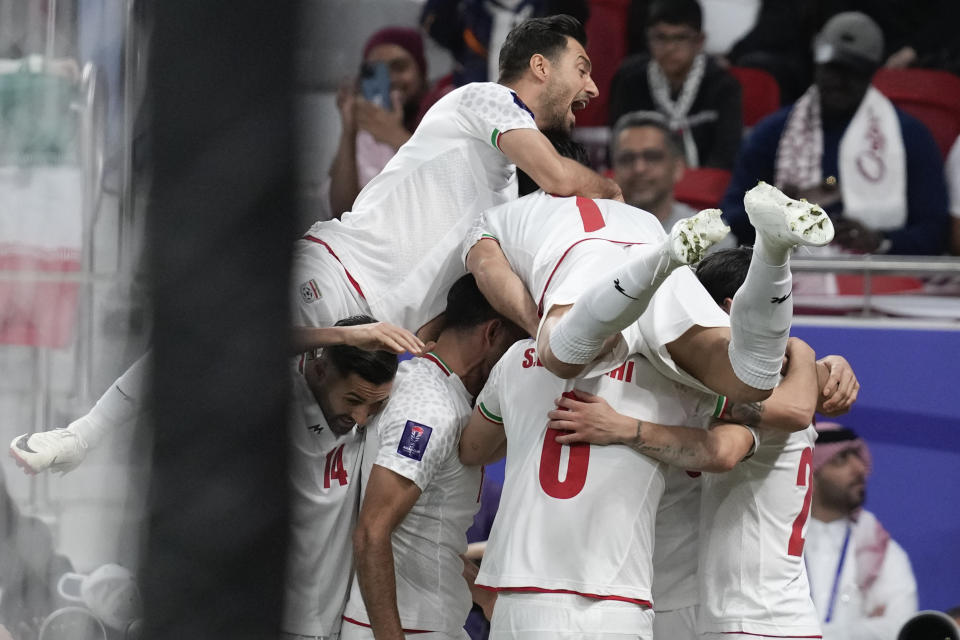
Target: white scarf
676 111
872 160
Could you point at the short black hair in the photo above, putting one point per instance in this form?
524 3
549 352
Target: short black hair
723 272
546 36
376 367
565 146
647 119
466 306
676 12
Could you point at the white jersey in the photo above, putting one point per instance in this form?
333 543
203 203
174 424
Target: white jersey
325 492
753 522
559 246
537 231
416 435
401 240
574 518
677 541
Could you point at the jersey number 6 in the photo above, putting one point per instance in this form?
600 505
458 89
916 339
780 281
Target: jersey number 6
577 461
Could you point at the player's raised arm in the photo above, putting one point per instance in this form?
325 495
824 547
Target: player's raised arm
591 419
533 153
500 285
791 405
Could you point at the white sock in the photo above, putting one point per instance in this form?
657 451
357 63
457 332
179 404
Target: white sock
617 301
772 250
121 403
760 323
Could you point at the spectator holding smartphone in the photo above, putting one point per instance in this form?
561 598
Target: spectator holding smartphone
371 133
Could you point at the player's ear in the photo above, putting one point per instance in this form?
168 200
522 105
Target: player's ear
539 66
727 303
492 330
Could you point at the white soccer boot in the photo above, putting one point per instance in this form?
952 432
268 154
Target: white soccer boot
785 220
59 450
691 237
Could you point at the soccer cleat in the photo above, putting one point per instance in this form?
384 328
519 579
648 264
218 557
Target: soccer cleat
794 222
59 450
691 237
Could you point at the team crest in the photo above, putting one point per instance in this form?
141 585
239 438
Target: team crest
413 442
310 292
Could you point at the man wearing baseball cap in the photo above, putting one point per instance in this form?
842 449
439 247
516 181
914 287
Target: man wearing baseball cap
860 579
875 169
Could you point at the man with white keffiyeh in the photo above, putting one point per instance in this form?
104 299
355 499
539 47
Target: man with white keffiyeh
875 169
861 581
699 99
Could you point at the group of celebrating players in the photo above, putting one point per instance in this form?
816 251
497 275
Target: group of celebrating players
654 413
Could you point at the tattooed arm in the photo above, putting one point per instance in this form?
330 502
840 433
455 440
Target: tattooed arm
791 405
591 419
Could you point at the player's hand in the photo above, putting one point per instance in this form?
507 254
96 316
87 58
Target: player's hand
384 336
841 389
385 126
590 419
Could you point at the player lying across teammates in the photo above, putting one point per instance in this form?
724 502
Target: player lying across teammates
616 297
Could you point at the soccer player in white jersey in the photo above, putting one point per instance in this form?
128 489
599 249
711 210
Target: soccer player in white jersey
570 551
396 252
418 499
334 396
395 255
760 500
554 248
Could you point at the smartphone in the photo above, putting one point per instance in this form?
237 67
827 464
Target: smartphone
375 83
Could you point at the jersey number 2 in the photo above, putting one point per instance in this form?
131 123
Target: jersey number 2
577 461
804 479
334 469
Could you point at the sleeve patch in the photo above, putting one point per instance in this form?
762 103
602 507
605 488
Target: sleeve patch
413 442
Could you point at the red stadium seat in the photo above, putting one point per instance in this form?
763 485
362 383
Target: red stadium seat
761 93
931 96
702 188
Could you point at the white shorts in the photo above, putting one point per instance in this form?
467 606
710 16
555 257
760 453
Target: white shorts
677 624
322 292
561 616
353 631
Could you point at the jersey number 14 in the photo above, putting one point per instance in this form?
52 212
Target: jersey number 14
334 469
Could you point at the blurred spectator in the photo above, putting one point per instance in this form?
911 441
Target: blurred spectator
371 134
918 33
860 579
29 570
952 172
875 169
474 30
647 162
700 100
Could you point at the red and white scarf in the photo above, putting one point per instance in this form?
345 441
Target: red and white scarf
872 162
